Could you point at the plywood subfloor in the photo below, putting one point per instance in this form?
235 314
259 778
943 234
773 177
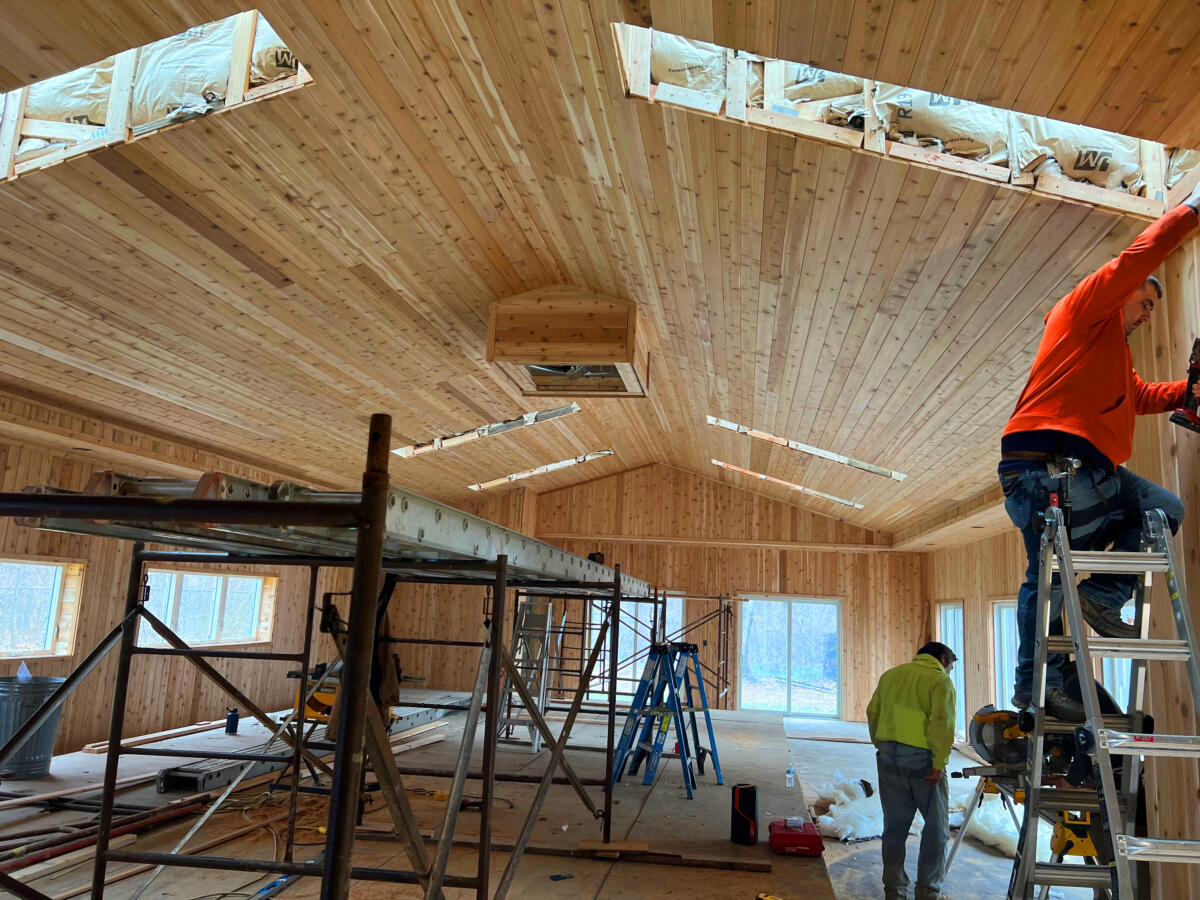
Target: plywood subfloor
753 747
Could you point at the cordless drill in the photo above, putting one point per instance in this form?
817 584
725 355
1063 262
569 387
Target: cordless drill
1186 415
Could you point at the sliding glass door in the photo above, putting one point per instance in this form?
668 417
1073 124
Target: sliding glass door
790 653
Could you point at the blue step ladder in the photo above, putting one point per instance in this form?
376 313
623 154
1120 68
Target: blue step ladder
665 695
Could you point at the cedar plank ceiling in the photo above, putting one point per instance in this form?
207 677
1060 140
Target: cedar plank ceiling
262 281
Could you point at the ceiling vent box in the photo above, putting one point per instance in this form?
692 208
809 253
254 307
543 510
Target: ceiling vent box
563 341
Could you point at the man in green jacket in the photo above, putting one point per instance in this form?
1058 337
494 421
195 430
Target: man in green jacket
911 717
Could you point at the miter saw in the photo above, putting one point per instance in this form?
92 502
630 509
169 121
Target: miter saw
1001 739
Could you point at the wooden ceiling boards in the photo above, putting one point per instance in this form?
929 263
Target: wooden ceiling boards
259 283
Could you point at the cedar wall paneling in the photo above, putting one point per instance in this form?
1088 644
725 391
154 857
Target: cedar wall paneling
977 575
884 611
164 692
1170 456
992 569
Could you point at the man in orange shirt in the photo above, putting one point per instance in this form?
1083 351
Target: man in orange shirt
1079 403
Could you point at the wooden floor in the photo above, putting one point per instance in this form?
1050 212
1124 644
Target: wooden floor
753 749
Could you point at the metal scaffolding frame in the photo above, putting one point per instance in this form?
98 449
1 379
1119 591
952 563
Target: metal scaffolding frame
717 678
381 529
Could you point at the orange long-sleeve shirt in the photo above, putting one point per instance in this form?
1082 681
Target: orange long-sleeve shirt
1083 381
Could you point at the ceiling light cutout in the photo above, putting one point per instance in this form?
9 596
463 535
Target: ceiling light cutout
787 484
806 448
540 470
474 434
564 341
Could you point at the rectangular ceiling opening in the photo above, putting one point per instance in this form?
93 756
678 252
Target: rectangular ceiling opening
208 68
1062 159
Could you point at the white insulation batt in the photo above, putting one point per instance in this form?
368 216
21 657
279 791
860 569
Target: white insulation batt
855 814
1179 163
936 121
944 124
1081 153
686 63
177 77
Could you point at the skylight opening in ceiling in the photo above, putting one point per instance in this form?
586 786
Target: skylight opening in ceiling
540 470
205 69
787 484
475 434
922 127
806 448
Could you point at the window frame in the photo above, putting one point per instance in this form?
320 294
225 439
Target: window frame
957 675
790 601
264 630
999 678
62 626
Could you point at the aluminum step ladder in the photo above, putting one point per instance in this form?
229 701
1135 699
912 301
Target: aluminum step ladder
665 695
1105 736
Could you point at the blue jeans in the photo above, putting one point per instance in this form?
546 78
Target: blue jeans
1106 508
902 793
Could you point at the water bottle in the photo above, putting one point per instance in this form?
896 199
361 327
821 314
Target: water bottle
791 777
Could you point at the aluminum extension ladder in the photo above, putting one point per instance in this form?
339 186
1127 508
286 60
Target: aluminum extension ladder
1104 736
666 694
531 652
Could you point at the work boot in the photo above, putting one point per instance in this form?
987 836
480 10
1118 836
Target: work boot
1105 620
1021 700
1062 707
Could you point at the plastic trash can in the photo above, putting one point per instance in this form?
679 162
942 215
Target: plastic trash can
19 700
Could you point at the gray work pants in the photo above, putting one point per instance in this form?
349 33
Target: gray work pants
903 792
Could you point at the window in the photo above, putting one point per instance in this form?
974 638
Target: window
674 615
1004 638
205 608
1116 673
790 655
950 633
638 618
38 603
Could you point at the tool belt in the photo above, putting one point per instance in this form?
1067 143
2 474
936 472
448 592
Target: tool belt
1056 466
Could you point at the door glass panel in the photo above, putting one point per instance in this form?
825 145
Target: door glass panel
764 652
1004 628
950 633
814 669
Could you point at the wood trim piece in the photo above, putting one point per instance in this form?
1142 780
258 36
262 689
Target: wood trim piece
946 161
699 101
736 80
239 61
1154 170
633 47
120 96
874 134
1065 189
58 131
828 546
10 129
830 134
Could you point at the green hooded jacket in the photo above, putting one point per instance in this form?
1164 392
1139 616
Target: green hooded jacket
914 705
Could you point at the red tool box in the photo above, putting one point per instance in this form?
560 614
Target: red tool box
796 837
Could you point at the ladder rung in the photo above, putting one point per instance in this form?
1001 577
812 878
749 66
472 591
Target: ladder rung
1185 745
1067 875
1074 799
1133 648
1158 849
1115 563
